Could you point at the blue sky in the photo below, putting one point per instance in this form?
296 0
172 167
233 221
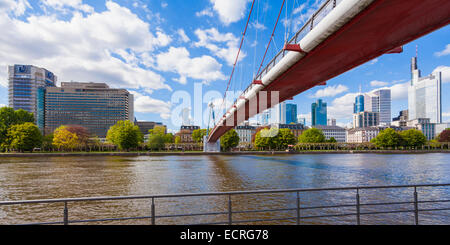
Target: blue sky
156 48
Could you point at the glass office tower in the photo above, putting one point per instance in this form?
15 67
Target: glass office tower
291 113
359 104
24 83
424 95
319 113
94 106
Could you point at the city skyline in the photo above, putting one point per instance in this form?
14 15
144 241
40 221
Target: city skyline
150 69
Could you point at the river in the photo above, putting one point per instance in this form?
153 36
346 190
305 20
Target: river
68 177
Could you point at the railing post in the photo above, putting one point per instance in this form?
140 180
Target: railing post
153 211
334 3
298 208
66 214
358 211
230 220
416 206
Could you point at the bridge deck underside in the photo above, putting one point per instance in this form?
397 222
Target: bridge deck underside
383 26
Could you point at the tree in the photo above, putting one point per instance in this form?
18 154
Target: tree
47 142
261 141
158 130
177 139
9 117
81 132
387 138
285 138
229 140
168 138
332 140
413 138
64 139
155 141
125 135
24 137
444 136
197 135
312 135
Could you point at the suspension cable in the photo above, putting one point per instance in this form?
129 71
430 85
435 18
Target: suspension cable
239 51
271 37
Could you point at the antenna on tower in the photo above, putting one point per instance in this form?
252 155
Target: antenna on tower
417 51
360 89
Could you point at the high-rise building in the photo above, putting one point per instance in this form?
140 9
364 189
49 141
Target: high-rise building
94 106
401 120
424 95
331 122
336 132
366 119
379 101
319 113
145 126
359 104
291 113
24 84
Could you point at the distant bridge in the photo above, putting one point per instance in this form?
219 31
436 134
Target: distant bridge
341 35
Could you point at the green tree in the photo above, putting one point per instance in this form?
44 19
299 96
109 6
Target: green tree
24 137
332 140
285 138
64 139
177 139
125 135
261 141
413 138
158 130
229 140
9 117
312 135
155 141
168 138
47 142
197 135
387 138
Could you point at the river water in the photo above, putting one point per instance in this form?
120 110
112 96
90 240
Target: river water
68 177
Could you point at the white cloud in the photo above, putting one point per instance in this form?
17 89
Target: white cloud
230 11
212 40
205 12
445 70
17 7
74 50
446 114
178 60
146 104
183 35
342 107
61 5
376 83
444 52
258 25
164 4
330 91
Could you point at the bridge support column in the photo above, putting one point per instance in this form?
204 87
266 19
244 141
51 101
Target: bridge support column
210 146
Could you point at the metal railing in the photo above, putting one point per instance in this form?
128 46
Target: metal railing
296 207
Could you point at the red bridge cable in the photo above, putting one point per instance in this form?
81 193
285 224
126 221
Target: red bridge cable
239 51
271 37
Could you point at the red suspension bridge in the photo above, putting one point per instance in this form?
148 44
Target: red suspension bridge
341 35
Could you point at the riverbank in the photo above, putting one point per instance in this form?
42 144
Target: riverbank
194 153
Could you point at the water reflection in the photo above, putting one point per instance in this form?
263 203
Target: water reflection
61 177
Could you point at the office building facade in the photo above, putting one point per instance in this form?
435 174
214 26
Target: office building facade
94 106
144 126
424 95
379 101
336 132
24 82
291 113
319 113
358 106
366 119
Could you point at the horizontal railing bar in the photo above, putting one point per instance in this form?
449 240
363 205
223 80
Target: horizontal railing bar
187 215
263 210
431 201
42 223
324 207
259 220
385 203
433 209
108 219
325 216
85 199
388 212
213 223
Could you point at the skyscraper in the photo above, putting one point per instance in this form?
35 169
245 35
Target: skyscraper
291 113
359 104
94 106
424 95
24 84
379 101
318 113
